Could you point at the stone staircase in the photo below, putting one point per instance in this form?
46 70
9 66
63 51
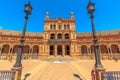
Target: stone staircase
59 58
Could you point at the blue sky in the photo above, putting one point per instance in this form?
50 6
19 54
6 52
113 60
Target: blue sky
107 14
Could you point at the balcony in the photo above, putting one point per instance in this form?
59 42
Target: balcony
59 40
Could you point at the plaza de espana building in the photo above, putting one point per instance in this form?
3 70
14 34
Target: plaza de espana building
60 39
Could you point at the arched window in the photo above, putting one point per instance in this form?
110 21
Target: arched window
51 26
66 36
64 26
52 36
68 27
59 36
54 26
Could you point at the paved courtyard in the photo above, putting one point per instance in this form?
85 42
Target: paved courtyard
58 70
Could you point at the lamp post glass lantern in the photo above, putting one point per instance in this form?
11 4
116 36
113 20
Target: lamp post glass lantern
27 10
91 9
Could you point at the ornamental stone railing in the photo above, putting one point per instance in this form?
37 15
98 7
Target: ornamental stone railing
7 75
58 40
110 75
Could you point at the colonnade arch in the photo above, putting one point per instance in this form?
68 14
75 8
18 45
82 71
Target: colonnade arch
103 49
83 49
26 48
114 48
35 49
67 50
51 49
5 48
15 48
59 49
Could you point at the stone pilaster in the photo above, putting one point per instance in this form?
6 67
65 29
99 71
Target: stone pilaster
63 50
55 52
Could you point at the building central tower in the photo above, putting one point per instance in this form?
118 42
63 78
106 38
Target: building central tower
59 36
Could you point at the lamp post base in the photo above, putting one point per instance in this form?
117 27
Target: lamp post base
18 72
98 73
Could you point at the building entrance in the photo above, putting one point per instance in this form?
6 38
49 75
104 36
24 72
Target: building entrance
67 50
51 50
59 50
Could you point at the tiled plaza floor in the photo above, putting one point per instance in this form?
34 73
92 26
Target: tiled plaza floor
57 71
47 70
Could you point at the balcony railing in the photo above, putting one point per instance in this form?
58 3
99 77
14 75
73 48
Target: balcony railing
111 75
7 75
58 40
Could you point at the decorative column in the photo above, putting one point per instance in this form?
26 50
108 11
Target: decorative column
55 52
48 50
88 50
108 50
63 50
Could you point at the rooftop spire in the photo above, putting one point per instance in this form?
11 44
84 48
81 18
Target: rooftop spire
47 15
71 15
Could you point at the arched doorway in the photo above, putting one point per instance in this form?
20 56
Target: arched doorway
5 48
59 50
51 50
67 50
26 49
103 49
15 49
35 49
35 52
114 48
84 49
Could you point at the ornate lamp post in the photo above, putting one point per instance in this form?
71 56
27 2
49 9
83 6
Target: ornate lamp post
18 66
98 65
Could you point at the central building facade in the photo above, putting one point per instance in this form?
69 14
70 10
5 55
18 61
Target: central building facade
60 36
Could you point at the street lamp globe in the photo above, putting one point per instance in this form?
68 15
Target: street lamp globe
28 8
91 8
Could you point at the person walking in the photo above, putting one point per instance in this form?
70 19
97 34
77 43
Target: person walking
93 75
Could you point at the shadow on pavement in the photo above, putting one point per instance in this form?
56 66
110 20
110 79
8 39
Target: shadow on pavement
77 76
26 75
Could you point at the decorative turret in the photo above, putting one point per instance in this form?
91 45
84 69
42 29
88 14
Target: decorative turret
47 15
72 15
